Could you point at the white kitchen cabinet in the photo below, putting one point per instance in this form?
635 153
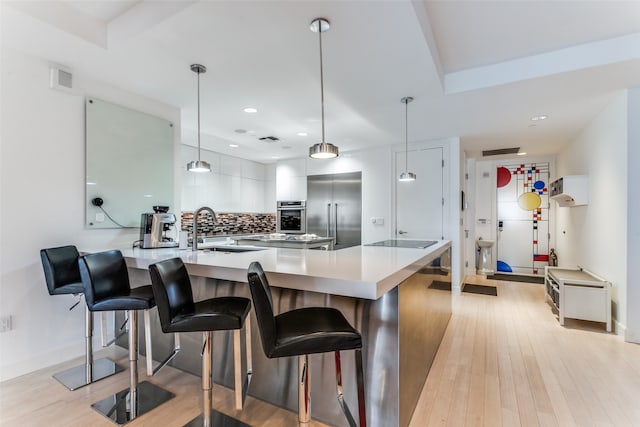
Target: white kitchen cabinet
579 294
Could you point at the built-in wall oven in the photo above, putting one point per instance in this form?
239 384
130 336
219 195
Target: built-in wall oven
292 217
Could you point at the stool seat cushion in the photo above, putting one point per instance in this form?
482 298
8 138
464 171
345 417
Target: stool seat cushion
70 288
215 314
140 298
176 307
313 330
61 271
106 284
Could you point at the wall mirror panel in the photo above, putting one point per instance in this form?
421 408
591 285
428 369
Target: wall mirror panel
129 164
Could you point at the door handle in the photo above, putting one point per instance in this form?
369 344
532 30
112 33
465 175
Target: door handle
402 232
328 218
335 224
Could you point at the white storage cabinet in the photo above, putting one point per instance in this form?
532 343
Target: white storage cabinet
579 294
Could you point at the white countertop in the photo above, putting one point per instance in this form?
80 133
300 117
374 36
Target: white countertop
360 271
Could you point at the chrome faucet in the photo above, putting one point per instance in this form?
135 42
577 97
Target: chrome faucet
195 224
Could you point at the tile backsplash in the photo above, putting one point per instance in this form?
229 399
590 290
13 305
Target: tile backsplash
229 223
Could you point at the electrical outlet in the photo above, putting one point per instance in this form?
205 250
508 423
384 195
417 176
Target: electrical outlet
5 323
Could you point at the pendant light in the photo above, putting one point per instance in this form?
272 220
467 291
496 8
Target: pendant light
322 150
198 165
406 175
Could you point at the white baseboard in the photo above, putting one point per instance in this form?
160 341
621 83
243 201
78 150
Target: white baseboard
40 360
632 336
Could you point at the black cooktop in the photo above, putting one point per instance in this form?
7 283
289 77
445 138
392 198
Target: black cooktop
414 244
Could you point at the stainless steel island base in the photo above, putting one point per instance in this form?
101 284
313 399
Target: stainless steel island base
401 330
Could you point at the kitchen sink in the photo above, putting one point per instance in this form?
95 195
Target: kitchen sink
397 243
229 249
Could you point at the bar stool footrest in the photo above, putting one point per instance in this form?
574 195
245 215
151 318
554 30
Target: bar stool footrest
117 407
218 419
76 377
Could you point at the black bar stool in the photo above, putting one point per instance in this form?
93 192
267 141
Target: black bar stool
62 276
107 288
179 313
302 332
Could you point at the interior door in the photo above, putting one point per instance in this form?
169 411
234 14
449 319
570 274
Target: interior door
523 218
419 203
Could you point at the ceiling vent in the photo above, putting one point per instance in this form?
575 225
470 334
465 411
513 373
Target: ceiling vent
269 138
61 79
500 151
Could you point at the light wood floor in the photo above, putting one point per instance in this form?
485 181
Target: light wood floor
504 361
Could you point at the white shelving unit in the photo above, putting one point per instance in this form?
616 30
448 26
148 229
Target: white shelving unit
579 294
570 190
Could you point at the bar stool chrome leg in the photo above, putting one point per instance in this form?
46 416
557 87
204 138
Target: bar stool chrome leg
139 398
304 391
151 371
91 371
210 417
242 386
362 412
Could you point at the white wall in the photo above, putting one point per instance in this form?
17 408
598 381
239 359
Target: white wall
234 184
595 236
44 206
633 216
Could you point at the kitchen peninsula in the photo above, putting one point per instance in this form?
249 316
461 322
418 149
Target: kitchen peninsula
385 292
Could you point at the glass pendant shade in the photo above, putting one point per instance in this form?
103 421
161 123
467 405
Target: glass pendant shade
322 150
198 165
406 175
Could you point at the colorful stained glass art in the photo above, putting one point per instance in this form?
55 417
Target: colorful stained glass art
504 176
523 215
529 201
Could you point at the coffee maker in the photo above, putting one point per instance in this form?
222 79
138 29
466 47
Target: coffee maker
153 228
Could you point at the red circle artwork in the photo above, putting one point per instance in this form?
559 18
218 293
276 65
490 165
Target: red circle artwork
504 176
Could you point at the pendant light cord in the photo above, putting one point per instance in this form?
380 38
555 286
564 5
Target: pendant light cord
198 72
406 135
321 78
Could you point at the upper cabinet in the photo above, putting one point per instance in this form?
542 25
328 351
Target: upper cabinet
570 190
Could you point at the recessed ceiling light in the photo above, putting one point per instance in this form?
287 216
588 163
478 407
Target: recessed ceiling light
286 147
522 153
234 145
274 157
250 110
240 131
540 117
302 134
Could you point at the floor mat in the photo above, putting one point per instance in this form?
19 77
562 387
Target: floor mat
480 289
516 278
441 286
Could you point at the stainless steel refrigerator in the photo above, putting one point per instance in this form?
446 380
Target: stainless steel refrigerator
334 207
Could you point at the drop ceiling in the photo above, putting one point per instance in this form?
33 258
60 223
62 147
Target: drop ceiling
477 69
